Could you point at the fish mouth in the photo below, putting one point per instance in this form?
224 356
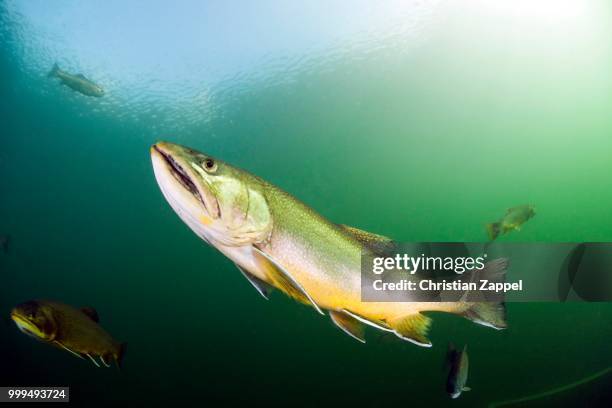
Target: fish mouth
179 174
23 324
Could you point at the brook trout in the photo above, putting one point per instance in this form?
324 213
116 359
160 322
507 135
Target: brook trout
74 330
514 218
276 241
78 82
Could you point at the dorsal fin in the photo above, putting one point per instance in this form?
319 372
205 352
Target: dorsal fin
91 313
377 243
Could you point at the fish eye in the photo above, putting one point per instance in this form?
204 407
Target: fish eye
209 165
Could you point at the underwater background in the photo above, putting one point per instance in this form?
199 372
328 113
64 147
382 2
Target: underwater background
421 121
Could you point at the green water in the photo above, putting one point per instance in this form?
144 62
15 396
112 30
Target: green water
417 126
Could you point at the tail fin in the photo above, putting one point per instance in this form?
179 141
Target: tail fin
493 230
120 354
488 314
53 71
493 313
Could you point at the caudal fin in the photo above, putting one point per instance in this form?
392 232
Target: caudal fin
490 314
53 71
120 354
493 230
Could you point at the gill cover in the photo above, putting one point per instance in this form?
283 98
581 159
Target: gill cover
217 201
244 215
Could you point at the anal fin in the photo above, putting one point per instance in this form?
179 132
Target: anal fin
262 287
413 328
283 279
349 325
376 324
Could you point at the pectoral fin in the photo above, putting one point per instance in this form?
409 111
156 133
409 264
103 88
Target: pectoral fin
68 350
283 279
467 389
262 287
349 325
413 328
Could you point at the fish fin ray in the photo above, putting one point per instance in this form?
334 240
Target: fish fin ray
93 360
91 313
412 328
69 350
376 324
377 243
104 362
281 277
262 287
490 314
493 271
349 325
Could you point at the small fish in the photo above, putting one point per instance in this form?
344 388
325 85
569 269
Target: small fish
78 82
74 330
458 373
514 218
4 243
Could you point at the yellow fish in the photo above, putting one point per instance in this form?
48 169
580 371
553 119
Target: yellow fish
277 241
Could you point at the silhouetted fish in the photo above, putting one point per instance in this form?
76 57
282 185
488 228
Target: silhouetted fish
458 373
78 82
